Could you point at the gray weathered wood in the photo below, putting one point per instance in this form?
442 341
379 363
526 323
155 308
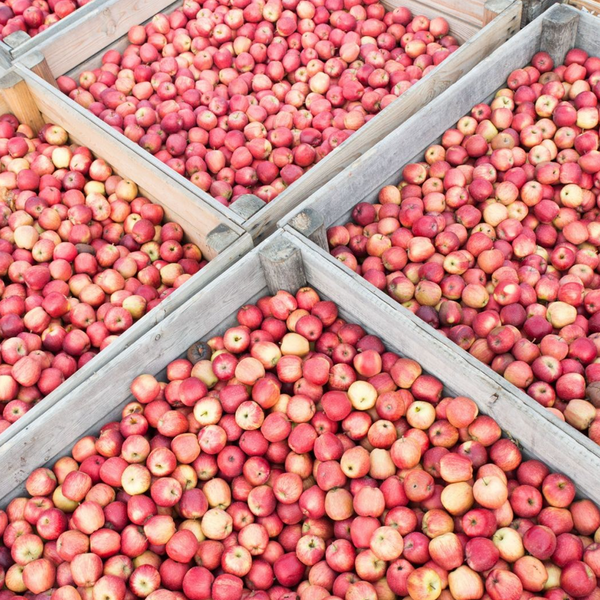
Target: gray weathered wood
532 9
247 206
559 32
16 39
221 237
282 264
467 17
587 34
310 224
94 23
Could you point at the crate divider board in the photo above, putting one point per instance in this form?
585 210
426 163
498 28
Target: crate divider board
213 309
221 242
482 25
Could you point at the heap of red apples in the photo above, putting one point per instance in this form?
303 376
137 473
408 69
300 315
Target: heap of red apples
82 257
302 461
244 96
494 237
34 16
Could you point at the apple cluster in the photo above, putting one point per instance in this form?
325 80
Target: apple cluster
493 239
34 16
302 461
82 257
244 96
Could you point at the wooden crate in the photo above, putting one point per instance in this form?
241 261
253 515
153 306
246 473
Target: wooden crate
221 242
286 262
559 30
96 19
482 26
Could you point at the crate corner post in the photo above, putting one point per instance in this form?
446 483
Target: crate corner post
283 265
311 225
17 96
559 32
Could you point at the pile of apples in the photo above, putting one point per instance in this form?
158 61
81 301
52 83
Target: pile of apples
302 461
494 237
244 96
82 257
34 16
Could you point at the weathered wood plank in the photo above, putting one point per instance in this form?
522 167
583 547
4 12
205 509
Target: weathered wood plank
310 224
282 264
103 23
587 33
559 32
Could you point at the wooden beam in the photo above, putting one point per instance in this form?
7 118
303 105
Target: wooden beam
36 62
247 205
20 101
282 264
559 32
311 224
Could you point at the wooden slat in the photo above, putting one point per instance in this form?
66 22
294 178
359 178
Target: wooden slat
588 38
362 180
537 430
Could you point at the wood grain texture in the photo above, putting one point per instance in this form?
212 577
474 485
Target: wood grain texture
36 62
16 94
587 33
559 32
541 435
310 224
247 205
282 264
362 180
